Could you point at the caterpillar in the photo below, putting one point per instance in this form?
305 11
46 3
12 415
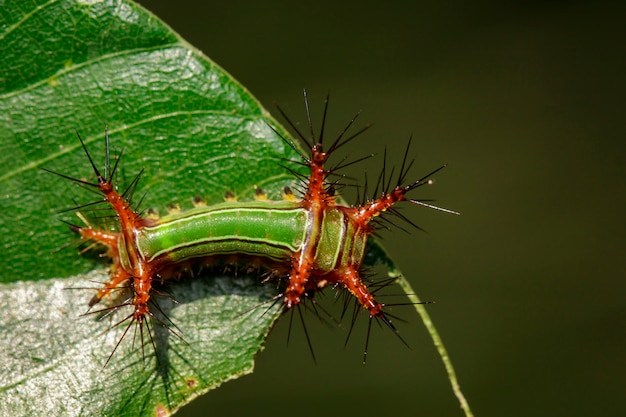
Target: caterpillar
308 243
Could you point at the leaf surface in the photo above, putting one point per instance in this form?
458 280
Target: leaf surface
72 65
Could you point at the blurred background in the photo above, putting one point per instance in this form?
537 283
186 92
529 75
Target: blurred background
525 102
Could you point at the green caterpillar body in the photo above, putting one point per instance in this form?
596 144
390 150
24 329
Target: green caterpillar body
308 243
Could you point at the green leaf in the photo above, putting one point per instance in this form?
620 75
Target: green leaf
77 66
72 65
53 361
81 65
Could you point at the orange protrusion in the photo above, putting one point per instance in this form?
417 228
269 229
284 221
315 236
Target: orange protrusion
374 208
297 281
351 280
118 277
140 272
142 286
316 201
316 194
109 239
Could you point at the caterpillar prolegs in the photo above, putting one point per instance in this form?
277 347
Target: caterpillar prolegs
309 243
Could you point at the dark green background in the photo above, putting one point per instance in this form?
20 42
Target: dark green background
525 101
